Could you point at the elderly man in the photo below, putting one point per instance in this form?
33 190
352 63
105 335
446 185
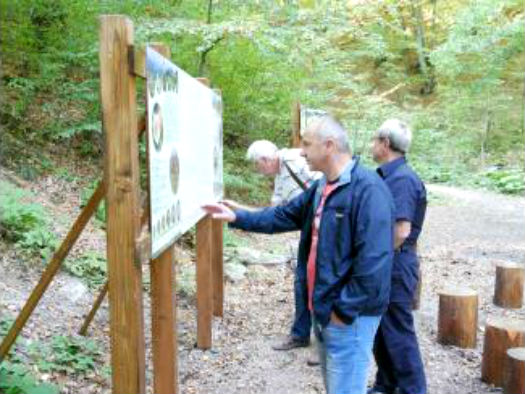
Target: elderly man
291 172
396 350
292 176
345 252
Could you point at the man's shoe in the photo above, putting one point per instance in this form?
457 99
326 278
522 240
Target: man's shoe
291 343
374 390
313 361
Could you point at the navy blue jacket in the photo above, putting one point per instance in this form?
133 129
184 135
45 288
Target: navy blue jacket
410 199
355 246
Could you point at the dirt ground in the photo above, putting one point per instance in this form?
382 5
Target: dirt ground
465 234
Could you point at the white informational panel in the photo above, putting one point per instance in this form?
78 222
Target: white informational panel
307 115
184 149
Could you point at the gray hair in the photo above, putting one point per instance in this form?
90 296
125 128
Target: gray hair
261 149
398 133
328 127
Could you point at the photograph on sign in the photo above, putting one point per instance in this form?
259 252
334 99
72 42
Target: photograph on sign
184 149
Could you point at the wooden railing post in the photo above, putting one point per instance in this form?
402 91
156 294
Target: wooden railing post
163 311
204 283
119 110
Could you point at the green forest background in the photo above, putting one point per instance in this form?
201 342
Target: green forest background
454 69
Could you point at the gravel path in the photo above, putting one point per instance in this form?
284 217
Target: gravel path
466 233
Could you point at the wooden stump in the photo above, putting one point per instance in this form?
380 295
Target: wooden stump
508 291
458 317
500 335
514 372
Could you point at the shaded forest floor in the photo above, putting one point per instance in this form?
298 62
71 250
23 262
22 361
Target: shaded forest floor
466 233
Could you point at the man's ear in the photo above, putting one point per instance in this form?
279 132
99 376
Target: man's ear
331 145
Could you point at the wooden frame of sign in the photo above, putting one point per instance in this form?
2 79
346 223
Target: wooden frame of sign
128 242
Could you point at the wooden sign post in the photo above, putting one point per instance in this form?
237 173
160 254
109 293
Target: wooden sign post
119 111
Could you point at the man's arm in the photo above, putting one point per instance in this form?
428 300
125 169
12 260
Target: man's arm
401 233
265 220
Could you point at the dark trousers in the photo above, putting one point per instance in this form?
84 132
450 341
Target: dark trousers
302 324
396 352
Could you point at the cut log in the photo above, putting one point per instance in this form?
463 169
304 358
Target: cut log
508 291
514 372
458 317
500 335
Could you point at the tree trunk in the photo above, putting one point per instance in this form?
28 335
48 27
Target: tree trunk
508 292
500 335
417 14
514 373
458 317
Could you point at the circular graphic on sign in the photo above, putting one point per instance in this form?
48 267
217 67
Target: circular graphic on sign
157 125
174 171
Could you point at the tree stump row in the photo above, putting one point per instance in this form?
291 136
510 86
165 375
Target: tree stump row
500 335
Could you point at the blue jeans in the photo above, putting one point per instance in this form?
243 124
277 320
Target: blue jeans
345 352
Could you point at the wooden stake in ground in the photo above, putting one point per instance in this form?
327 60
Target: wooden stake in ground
500 335
204 282
458 317
514 371
508 291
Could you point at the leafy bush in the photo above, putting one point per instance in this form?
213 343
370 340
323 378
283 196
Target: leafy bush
25 223
66 354
91 267
17 379
507 181
85 195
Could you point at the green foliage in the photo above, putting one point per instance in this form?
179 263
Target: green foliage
231 240
186 284
25 223
361 62
91 267
17 379
85 195
511 181
66 354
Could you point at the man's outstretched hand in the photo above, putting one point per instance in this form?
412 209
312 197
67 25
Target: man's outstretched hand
219 212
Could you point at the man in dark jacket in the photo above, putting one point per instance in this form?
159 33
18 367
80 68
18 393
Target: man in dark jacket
345 251
396 350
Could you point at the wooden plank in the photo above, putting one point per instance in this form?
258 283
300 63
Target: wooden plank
138 61
163 323
141 126
118 98
138 57
204 283
94 309
217 268
52 269
163 309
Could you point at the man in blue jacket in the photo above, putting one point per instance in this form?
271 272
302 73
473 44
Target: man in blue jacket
345 251
396 350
